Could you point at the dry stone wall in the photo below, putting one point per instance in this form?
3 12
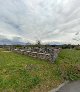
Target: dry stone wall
50 54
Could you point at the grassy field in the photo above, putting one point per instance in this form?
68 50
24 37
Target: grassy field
19 73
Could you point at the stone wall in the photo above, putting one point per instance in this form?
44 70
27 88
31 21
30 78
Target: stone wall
49 54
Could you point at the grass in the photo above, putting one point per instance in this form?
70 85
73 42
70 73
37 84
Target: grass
20 73
69 64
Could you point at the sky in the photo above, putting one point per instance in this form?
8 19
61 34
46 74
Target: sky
44 20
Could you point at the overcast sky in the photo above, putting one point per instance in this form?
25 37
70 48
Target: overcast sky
45 20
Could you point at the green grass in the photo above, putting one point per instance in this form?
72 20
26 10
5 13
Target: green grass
20 73
69 64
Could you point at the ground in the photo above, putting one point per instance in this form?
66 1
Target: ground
71 87
20 73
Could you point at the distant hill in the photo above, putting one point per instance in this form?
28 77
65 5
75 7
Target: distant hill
55 43
11 42
14 41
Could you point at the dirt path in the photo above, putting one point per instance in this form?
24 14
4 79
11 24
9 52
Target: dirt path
6 51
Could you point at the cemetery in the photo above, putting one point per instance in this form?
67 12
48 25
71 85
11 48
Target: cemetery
24 68
42 52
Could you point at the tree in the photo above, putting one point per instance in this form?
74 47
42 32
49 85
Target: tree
38 43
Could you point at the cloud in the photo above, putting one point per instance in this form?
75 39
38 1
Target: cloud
45 20
15 40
